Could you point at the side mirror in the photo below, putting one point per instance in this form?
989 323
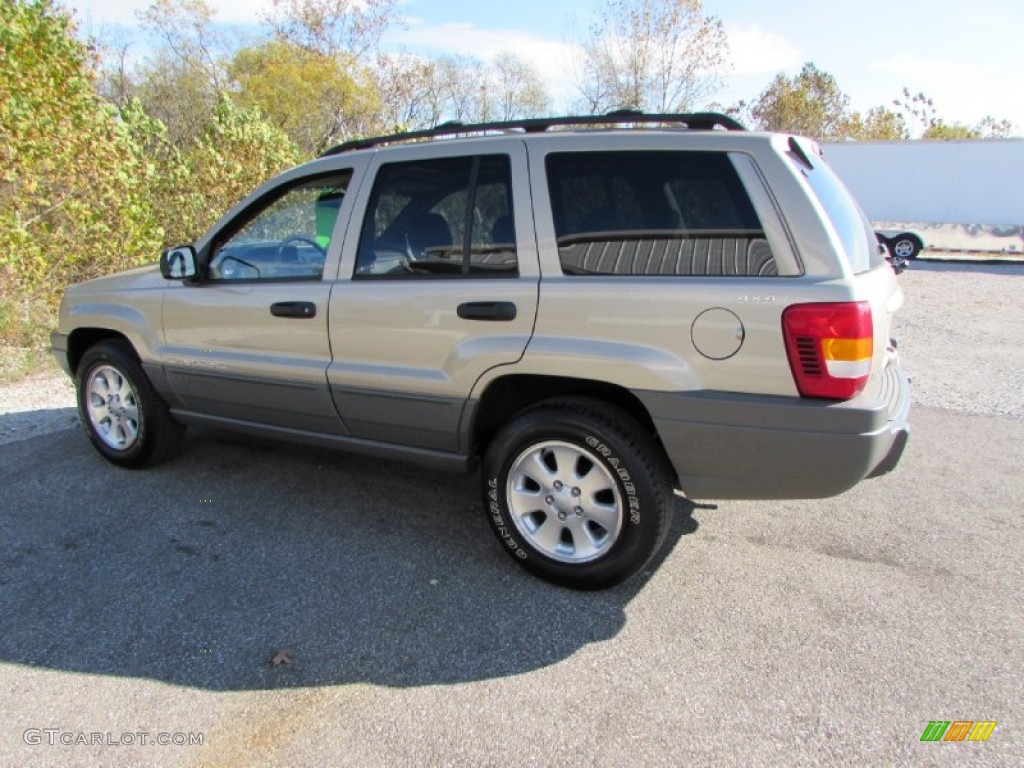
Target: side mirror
179 263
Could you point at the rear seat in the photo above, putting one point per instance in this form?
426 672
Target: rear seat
698 256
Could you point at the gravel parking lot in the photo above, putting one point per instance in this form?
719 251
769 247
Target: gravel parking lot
773 633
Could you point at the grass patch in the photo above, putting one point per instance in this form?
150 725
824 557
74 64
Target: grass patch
25 326
18 363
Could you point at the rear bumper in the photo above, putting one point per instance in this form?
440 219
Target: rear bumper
897 394
731 446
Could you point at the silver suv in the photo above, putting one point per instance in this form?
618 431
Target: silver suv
595 311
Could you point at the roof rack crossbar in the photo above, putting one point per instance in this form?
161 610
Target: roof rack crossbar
700 121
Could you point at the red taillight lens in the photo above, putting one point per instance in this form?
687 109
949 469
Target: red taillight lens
829 348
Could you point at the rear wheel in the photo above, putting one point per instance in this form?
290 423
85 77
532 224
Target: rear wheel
905 246
578 493
124 417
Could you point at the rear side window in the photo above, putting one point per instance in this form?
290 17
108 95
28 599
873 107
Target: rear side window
449 217
860 246
655 213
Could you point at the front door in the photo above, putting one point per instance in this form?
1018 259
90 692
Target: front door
250 342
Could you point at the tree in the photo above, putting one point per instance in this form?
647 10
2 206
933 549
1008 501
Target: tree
329 47
177 94
880 124
419 93
517 88
809 104
991 128
116 80
180 82
73 202
918 109
333 27
237 151
404 103
310 96
922 113
942 131
187 30
660 55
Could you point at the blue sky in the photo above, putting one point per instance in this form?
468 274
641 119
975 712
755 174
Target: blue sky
967 56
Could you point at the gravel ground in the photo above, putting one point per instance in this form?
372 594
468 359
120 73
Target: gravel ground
959 336
956 332
41 404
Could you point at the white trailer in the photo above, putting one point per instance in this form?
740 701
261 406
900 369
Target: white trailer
963 196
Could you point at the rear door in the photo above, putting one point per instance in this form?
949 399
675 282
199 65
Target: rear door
442 281
663 252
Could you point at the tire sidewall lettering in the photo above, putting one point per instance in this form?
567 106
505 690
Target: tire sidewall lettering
625 479
613 442
504 531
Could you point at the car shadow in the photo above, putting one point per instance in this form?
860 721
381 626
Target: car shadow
21 425
203 571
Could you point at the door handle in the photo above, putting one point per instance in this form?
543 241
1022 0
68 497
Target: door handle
487 310
301 309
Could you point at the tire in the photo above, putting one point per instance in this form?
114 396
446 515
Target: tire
905 246
126 420
577 493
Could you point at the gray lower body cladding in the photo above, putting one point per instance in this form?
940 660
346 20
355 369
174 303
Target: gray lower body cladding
732 446
424 457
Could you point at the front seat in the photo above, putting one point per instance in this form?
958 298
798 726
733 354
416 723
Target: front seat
428 231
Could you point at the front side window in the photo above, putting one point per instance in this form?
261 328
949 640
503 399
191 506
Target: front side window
443 217
655 213
285 238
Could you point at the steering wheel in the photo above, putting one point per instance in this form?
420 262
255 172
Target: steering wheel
298 239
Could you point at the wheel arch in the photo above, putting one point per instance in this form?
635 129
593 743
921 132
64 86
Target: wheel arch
81 339
506 396
909 236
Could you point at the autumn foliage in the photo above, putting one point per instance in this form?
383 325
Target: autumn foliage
85 188
73 202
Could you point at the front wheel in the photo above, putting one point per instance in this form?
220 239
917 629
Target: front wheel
124 417
578 493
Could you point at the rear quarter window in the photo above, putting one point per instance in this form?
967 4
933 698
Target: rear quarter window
673 213
859 244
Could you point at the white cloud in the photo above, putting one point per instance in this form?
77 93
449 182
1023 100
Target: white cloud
920 67
553 59
755 51
962 92
986 22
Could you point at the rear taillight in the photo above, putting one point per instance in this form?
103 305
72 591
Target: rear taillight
829 348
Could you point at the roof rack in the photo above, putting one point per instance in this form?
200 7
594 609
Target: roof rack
699 121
